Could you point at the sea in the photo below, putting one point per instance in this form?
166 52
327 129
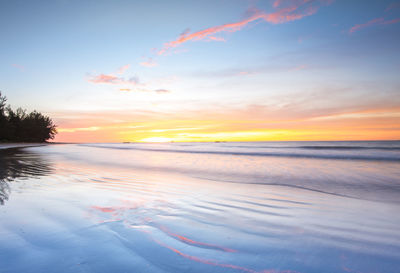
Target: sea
267 207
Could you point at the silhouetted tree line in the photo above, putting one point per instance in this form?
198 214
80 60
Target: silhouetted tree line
20 126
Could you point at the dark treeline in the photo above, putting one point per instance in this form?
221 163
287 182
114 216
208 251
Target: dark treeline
20 126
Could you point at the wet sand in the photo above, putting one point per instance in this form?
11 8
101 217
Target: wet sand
187 208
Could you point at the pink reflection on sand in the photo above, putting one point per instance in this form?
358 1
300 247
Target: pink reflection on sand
216 263
115 211
192 242
104 209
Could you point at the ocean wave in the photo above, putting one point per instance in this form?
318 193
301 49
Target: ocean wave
296 152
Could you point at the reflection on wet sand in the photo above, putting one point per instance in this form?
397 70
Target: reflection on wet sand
143 224
119 210
19 164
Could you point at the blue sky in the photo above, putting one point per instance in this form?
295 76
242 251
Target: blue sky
316 59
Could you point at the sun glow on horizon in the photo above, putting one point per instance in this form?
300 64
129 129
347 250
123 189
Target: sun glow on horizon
156 139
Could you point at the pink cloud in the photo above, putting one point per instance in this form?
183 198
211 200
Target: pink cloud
373 22
122 69
19 67
149 63
299 67
131 84
162 91
277 3
394 21
159 91
218 39
392 6
112 79
292 10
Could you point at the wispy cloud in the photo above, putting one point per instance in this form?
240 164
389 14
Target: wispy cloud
389 22
149 63
19 67
112 79
131 84
373 22
162 91
270 68
122 69
145 90
299 67
286 11
277 3
393 6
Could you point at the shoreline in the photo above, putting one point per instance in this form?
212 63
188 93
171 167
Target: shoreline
20 145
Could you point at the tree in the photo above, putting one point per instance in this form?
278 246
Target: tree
18 126
3 118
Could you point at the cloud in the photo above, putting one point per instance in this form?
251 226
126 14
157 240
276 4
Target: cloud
299 67
162 91
122 69
159 91
272 67
394 21
149 63
218 39
373 22
292 10
393 6
131 84
112 79
145 90
19 67
277 3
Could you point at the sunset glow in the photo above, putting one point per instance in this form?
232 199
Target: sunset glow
156 139
268 70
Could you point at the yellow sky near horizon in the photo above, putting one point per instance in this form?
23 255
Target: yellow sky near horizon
380 124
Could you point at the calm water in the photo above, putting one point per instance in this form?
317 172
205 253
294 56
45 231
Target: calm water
201 207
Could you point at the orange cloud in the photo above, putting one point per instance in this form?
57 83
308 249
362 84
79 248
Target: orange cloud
373 22
293 10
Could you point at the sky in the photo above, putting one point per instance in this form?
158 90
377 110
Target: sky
227 70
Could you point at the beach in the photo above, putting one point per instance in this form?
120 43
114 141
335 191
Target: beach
201 207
